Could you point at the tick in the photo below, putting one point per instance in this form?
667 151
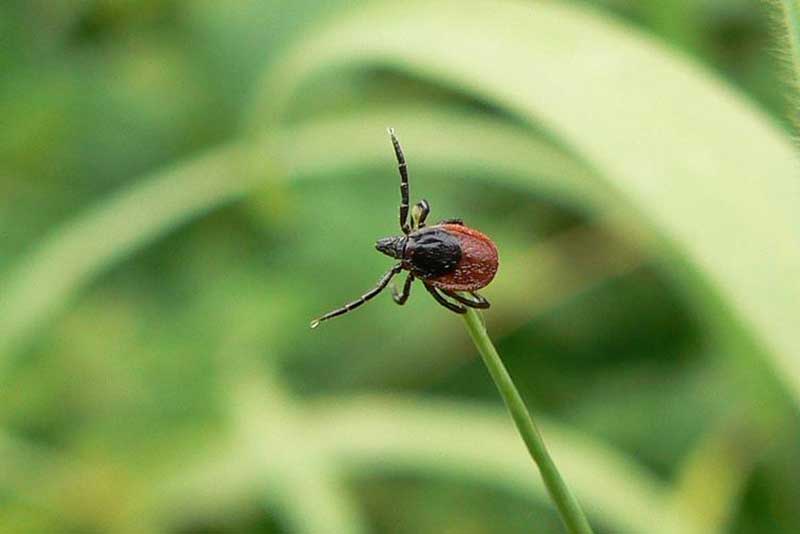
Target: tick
449 257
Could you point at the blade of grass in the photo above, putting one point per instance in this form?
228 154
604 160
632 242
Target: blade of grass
571 513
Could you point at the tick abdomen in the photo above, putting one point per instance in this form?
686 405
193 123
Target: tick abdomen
477 265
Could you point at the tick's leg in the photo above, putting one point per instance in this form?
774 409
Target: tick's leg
476 302
443 301
382 283
459 222
402 167
402 297
480 300
419 213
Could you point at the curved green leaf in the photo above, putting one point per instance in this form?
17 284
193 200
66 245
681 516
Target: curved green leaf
80 249
697 164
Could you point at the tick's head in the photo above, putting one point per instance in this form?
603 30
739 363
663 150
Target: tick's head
392 246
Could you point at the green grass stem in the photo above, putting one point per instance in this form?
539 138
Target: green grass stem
567 505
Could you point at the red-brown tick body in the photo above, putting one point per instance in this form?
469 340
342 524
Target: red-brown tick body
478 263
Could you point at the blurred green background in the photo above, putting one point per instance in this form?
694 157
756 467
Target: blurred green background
184 185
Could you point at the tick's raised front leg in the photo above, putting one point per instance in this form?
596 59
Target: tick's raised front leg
403 168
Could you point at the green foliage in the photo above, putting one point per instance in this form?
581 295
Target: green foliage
184 185
787 21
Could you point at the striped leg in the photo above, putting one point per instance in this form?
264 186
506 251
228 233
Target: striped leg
360 300
402 167
443 301
477 302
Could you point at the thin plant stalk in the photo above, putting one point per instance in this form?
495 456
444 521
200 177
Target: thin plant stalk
568 507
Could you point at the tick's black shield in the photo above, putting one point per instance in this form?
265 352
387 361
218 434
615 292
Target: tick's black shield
432 252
